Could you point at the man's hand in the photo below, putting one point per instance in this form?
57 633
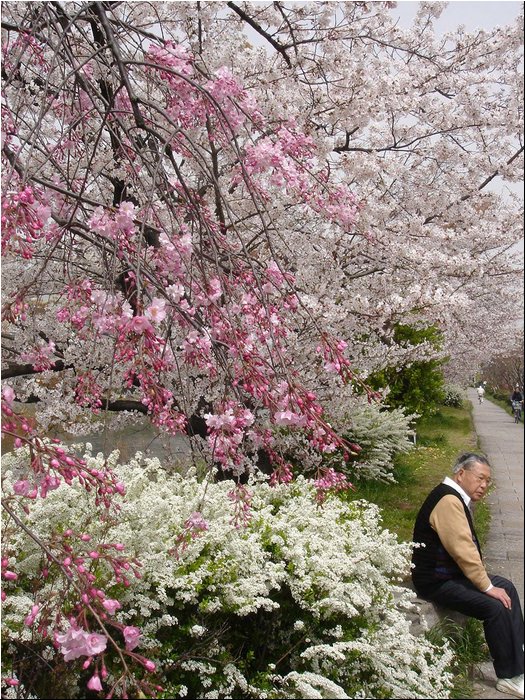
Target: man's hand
500 594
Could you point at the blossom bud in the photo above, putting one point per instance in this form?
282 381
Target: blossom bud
94 683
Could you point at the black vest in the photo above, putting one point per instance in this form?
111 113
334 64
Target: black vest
433 564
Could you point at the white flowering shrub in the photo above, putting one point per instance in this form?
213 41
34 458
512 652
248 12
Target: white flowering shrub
381 434
378 434
302 601
453 396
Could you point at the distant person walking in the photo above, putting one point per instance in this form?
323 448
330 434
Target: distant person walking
481 393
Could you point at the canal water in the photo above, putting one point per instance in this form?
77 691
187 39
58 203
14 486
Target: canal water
174 452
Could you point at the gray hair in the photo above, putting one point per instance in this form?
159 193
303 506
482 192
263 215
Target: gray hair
467 460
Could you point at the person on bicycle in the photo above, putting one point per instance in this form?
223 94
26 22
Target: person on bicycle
517 400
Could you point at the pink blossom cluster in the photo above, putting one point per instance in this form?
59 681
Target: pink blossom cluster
276 277
81 567
118 227
193 527
76 642
287 160
197 352
77 304
82 558
337 203
330 480
283 472
146 363
226 432
24 219
50 463
110 312
334 358
7 574
16 310
174 253
172 64
25 42
31 617
171 56
233 104
241 499
220 99
88 393
41 356
89 309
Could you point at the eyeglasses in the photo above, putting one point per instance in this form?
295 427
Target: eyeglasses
479 477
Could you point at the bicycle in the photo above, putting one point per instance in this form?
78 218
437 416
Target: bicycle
516 410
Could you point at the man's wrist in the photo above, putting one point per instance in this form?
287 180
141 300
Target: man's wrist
489 588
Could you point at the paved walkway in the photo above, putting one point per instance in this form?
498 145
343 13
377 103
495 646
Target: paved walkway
501 440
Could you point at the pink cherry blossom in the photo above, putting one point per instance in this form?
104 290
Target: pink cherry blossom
139 325
111 605
156 312
131 637
76 642
8 394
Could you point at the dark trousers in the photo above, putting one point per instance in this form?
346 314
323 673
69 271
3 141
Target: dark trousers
503 628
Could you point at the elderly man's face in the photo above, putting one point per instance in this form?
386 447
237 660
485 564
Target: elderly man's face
474 481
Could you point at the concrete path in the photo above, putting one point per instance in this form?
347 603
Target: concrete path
501 440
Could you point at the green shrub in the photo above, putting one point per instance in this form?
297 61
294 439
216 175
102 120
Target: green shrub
419 385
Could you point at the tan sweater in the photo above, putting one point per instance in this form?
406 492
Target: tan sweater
449 521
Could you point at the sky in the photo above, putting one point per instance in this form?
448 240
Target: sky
471 13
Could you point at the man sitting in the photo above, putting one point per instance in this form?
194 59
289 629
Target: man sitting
449 569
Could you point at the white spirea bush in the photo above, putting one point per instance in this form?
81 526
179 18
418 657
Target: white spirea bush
454 396
381 434
303 602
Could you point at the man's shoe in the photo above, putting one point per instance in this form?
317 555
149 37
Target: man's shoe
511 686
